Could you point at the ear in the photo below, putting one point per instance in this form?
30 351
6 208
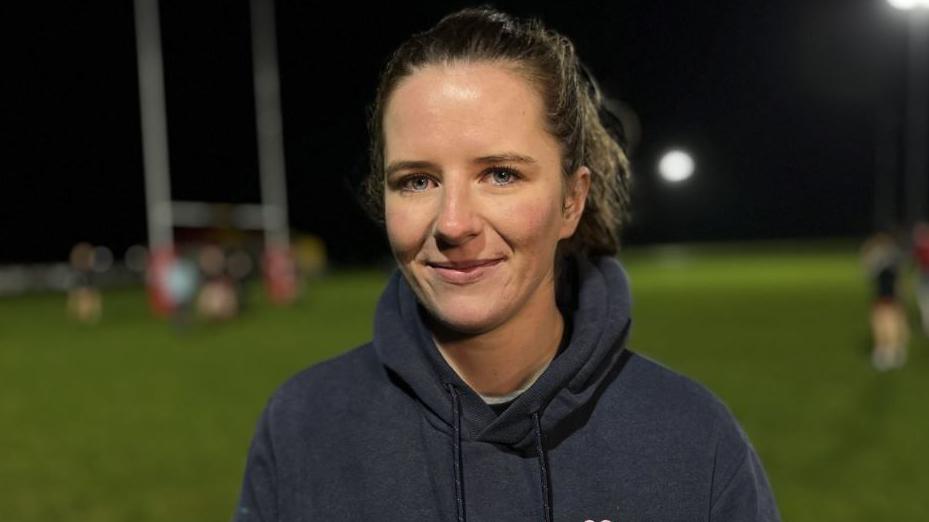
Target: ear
575 198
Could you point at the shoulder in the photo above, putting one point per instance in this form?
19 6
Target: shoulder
690 422
653 385
333 410
674 411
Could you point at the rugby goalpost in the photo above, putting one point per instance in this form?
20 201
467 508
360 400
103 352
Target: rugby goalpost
162 212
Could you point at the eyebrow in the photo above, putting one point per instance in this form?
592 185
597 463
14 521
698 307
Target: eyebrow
506 157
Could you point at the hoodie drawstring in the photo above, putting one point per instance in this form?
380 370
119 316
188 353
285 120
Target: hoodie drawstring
543 469
459 475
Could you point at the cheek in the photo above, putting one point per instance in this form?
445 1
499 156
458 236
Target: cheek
405 229
533 223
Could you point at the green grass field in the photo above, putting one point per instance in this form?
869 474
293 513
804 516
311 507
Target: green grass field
130 421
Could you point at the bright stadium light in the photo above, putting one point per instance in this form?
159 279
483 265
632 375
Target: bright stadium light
908 4
676 166
902 4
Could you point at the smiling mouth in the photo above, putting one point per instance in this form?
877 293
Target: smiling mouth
464 272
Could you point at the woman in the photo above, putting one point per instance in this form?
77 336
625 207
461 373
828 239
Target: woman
497 386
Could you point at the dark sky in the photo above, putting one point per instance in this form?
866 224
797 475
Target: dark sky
784 104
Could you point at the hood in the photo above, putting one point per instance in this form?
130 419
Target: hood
597 290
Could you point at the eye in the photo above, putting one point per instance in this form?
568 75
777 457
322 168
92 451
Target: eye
416 183
502 176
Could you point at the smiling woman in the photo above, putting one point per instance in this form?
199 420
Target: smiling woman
498 385
477 239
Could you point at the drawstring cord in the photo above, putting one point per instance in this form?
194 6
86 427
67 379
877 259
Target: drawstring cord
543 469
459 476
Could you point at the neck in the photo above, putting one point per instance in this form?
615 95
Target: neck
500 361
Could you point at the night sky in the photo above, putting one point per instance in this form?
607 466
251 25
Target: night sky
787 107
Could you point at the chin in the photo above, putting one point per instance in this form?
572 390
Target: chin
469 317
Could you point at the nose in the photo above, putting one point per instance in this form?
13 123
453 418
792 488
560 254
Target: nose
457 221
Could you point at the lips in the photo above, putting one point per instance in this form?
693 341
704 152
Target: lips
464 272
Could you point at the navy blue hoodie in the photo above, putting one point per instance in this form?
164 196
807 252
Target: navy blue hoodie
388 431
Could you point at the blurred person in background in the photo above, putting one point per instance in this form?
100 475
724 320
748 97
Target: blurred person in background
498 386
280 272
85 303
217 298
882 259
183 282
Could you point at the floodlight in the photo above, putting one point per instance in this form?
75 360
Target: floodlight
908 4
675 166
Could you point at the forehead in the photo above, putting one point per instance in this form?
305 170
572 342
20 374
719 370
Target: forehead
464 108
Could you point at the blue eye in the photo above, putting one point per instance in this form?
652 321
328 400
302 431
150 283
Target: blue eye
416 183
502 176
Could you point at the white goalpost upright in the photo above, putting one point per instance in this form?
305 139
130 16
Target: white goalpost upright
280 273
154 126
270 128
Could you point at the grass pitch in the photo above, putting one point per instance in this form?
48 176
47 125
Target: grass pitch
129 420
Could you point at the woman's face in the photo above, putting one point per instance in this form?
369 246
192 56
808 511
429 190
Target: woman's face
474 198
